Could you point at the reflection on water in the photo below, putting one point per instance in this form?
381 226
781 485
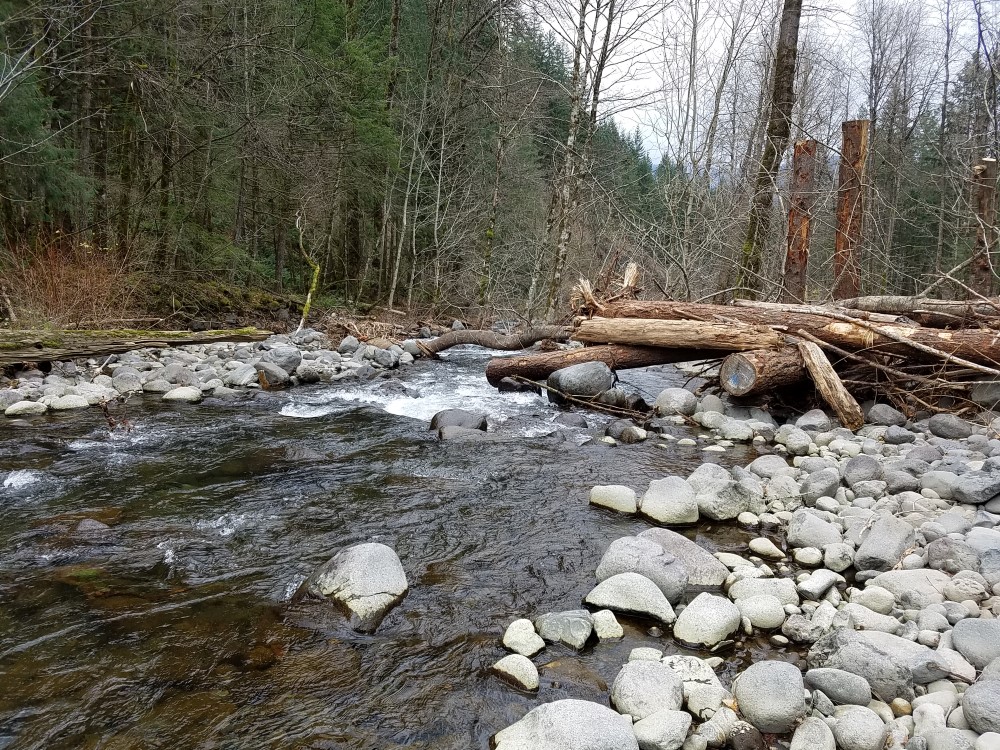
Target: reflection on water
145 578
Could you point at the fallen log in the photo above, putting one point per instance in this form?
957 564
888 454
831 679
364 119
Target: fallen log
617 357
492 339
758 370
830 387
967 346
51 346
686 334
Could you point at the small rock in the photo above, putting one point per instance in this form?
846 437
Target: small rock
859 728
520 637
979 704
766 548
883 414
949 426
615 497
813 734
184 393
518 670
839 686
663 730
571 628
25 409
675 401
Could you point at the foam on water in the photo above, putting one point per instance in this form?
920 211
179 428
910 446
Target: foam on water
21 478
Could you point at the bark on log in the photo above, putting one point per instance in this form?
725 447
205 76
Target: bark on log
828 384
492 339
802 198
687 334
617 357
28 346
976 345
752 372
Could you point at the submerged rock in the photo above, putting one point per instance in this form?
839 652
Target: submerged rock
458 418
368 579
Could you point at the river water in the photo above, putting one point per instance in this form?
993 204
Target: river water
171 626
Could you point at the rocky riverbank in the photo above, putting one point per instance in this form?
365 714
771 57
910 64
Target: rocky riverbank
878 555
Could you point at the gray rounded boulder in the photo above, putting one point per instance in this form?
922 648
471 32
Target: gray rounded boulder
707 621
569 725
584 379
771 696
649 559
644 687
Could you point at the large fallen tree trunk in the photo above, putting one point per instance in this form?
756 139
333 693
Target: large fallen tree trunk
492 339
756 371
686 334
969 347
540 366
51 346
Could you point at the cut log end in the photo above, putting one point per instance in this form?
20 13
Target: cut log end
756 371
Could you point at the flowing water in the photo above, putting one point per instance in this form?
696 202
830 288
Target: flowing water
169 623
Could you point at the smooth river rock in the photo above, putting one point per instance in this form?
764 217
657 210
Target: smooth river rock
703 569
368 579
634 594
977 640
571 628
663 730
518 670
981 706
569 725
707 621
859 728
520 637
770 695
644 687
839 686
813 734
632 554
669 501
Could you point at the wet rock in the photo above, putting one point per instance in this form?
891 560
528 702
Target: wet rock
127 380
839 686
770 695
647 558
25 409
644 687
521 638
883 414
568 725
569 419
452 432
703 569
584 379
707 620
670 501
272 375
632 593
859 728
949 426
614 497
183 393
885 544
368 579
606 625
571 628
979 704
813 734
675 401
663 730
458 418
977 640
518 670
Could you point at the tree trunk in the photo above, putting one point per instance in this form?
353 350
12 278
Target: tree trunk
752 372
779 128
850 210
830 388
617 357
679 334
802 199
981 274
492 339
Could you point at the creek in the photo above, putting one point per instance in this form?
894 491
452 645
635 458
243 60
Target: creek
169 623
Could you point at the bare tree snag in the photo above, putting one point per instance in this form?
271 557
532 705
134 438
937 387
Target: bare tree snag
850 210
682 334
984 176
830 387
617 357
779 127
802 199
759 370
492 339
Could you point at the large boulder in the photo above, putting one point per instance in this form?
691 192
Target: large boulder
669 501
675 401
885 544
285 357
771 695
644 687
458 418
806 529
707 621
703 569
633 594
568 725
977 640
949 426
632 554
980 703
368 579
951 555
585 379
914 589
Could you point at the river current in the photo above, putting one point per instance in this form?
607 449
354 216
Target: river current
169 623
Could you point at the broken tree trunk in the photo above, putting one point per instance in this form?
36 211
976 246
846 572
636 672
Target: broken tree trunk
801 200
759 370
973 345
51 346
830 387
492 339
685 334
617 357
850 210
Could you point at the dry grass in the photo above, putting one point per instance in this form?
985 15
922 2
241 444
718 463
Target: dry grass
62 283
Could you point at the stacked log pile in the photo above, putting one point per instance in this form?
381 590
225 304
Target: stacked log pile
913 352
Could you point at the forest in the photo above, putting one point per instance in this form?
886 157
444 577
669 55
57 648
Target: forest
475 156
